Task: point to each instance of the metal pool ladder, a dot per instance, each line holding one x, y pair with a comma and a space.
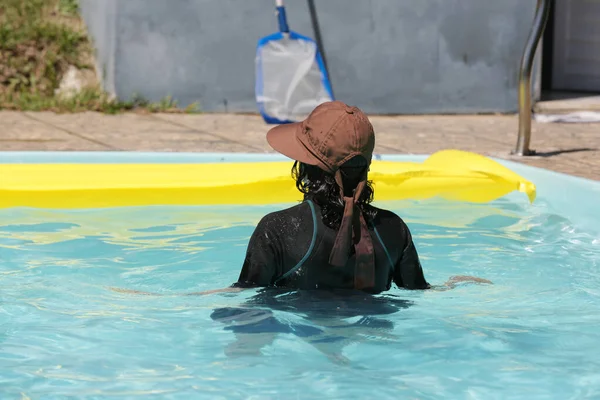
542, 12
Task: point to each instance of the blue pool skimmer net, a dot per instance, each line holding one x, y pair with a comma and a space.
291, 78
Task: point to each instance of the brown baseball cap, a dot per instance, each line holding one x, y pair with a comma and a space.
332, 134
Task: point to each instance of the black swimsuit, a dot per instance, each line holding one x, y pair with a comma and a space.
290, 248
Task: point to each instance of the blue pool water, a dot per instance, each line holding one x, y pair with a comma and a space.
533, 334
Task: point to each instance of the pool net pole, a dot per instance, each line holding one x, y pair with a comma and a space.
314, 19
539, 24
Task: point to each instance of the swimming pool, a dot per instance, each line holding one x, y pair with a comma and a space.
533, 334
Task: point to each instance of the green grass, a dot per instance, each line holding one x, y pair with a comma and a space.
39, 40
89, 99
34, 50
69, 7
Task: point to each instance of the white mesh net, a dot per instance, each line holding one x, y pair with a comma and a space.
292, 84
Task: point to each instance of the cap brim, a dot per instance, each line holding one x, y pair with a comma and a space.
283, 139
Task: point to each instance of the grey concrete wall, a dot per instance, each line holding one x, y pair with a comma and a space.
101, 18
385, 56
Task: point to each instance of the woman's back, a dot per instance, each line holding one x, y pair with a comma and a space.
291, 248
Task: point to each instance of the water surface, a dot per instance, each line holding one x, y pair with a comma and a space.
533, 334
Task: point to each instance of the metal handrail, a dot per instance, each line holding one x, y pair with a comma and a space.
542, 12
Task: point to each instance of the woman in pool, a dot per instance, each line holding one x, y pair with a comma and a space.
334, 239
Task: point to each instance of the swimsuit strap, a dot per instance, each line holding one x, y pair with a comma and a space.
310, 248
387, 253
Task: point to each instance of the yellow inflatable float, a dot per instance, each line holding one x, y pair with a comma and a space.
449, 174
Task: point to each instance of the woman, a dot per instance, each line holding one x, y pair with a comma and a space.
334, 239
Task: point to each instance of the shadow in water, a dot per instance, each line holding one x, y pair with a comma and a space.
324, 320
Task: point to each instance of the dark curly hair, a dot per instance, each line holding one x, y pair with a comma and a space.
321, 187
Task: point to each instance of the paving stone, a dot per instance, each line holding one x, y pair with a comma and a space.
567, 148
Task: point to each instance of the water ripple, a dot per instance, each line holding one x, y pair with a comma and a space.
64, 333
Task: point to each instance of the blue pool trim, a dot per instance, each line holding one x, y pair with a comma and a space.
387, 253
130, 157
310, 248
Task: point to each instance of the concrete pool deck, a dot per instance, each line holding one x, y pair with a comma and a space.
568, 148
